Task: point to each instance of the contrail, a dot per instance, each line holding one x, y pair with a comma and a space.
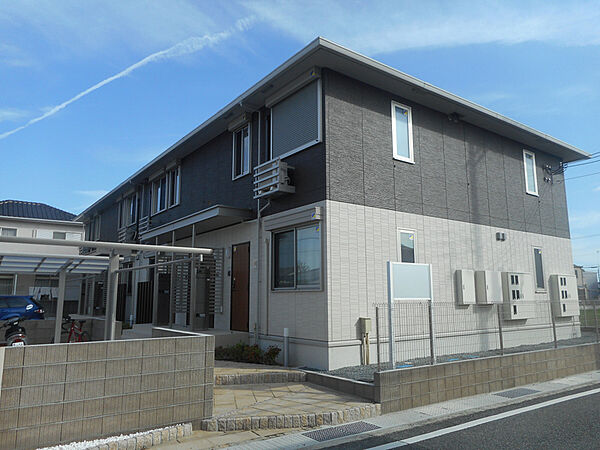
190, 45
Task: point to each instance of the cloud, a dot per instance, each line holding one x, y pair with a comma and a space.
8, 114
186, 47
11, 55
384, 26
95, 25
585, 220
93, 193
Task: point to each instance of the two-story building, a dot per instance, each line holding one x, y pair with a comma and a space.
38, 220
321, 172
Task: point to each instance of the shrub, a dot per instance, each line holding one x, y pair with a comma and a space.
248, 353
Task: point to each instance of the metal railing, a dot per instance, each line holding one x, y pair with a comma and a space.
426, 333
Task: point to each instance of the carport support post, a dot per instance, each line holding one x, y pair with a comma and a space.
62, 282
112, 287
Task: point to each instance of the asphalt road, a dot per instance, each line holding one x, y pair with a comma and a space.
572, 424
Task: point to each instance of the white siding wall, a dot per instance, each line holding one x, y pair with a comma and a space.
361, 239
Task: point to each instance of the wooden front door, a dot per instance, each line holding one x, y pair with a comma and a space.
240, 286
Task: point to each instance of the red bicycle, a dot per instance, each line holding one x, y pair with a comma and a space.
74, 329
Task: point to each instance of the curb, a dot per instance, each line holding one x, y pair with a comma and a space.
260, 378
291, 420
144, 439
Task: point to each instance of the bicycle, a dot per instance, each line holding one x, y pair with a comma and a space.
75, 330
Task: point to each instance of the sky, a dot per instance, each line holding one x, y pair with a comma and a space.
92, 90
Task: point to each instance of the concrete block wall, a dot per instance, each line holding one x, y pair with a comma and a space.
408, 388
59, 393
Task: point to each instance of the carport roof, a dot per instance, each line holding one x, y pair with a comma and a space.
47, 264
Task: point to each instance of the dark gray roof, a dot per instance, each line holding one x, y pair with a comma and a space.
33, 210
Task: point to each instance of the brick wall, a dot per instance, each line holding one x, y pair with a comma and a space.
66, 392
408, 388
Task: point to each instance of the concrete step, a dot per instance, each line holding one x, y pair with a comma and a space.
281, 421
274, 376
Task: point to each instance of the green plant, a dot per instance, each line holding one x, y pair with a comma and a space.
241, 352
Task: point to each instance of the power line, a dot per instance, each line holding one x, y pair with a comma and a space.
586, 236
594, 160
580, 176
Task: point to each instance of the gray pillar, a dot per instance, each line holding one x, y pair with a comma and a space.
193, 276
60, 303
112, 287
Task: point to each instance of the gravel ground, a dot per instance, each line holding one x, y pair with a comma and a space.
365, 373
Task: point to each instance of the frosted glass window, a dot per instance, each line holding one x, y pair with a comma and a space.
402, 132
9, 231
539, 268
406, 243
530, 179
241, 152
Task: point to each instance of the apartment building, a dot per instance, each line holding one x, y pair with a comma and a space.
310, 181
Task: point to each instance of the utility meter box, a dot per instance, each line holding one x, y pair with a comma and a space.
564, 296
364, 325
488, 287
517, 290
465, 286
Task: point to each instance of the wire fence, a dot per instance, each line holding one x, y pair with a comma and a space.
426, 333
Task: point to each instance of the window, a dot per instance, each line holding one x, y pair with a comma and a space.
166, 191
406, 246
59, 235
531, 186
296, 121
9, 231
6, 284
402, 132
539, 269
128, 211
241, 152
297, 258
159, 194
174, 187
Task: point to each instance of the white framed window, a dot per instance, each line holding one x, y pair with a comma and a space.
531, 186
241, 152
8, 231
128, 211
59, 235
538, 263
159, 194
297, 258
406, 246
174, 186
402, 134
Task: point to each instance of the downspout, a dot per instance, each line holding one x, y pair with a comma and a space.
258, 264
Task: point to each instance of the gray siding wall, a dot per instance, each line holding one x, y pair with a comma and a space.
461, 172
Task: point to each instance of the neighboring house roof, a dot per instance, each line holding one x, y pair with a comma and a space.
33, 210
327, 54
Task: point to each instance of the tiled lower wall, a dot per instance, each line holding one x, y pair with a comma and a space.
66, 392
408, 388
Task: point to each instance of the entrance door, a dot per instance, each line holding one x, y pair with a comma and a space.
240, 284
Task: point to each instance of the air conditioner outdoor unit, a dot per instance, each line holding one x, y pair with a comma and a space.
273, 178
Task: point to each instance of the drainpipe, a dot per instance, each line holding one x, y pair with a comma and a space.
258, 264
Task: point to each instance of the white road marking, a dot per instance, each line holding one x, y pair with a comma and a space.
474, 423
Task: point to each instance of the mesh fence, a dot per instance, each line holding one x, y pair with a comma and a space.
425, 333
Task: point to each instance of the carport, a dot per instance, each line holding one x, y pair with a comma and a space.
62, 265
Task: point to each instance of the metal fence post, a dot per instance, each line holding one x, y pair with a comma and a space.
377, 337
596, 322
500, 335
553, 326
431, 333
390, 313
